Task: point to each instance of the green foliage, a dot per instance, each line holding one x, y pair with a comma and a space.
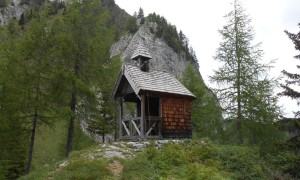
206, 113
284, 159
175, 40
140, 16
140, 13
13, 149
244, 161
83, 41
57, 6
22, 2
196, 160
102, 121
13, 130
49, 144
22, 20
292, 78
3, 3
183, 160
244, 89
37, 65
131, 26
81, 141
77, 168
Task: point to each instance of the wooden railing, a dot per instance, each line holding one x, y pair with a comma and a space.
132, 128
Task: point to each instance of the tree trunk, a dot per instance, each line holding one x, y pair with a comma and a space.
71, 124
73, 102
30, 152
33, 131
239, 113
2, 95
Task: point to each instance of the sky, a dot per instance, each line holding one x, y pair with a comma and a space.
200, 21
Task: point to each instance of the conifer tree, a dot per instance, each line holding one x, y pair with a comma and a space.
13, 135
84, 39
102, 120
242, 80
141, 16
36, 49
27, 81
206, 113
140, 13
292, 81
292, 78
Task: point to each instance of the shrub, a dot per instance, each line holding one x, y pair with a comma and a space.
286, 161
244, 162
196, 160
3, 3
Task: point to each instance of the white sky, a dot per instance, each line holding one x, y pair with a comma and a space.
200, 20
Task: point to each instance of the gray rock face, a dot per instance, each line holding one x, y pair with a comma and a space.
164, 58
13, 10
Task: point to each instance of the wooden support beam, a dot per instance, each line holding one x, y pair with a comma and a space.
126, 129
142, 135
136, 128
120, 117
161, 117
151, 128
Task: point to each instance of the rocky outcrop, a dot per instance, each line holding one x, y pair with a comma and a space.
164, 58
13, 10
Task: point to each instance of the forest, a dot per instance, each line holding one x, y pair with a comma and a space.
56, 70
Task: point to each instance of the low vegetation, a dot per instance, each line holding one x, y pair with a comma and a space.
189, 159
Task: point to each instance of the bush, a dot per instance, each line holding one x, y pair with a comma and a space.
244, 162
195, 160
131, 25
286, 161
3, 3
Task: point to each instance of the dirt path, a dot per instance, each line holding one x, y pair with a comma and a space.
116, 168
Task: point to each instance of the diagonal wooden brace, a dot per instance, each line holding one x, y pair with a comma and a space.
136, 127
126, 129
151, 128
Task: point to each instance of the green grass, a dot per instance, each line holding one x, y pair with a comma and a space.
188, 160
193, 160
78, 167
50, 144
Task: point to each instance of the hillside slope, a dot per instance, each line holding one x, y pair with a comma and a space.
160, 160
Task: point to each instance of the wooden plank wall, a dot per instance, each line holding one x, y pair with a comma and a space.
176, 113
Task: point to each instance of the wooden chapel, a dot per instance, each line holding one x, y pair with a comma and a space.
163, 104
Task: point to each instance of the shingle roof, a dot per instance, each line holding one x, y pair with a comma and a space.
156, 81
141, 51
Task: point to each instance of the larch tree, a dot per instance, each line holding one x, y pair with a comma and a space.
83, 40
27, 81
13, 136
36, 50
242, 78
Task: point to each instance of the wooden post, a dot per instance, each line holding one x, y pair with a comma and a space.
161, 117
121, 117
142, 116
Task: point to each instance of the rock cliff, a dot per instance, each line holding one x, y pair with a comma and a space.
13, 10
163, 56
